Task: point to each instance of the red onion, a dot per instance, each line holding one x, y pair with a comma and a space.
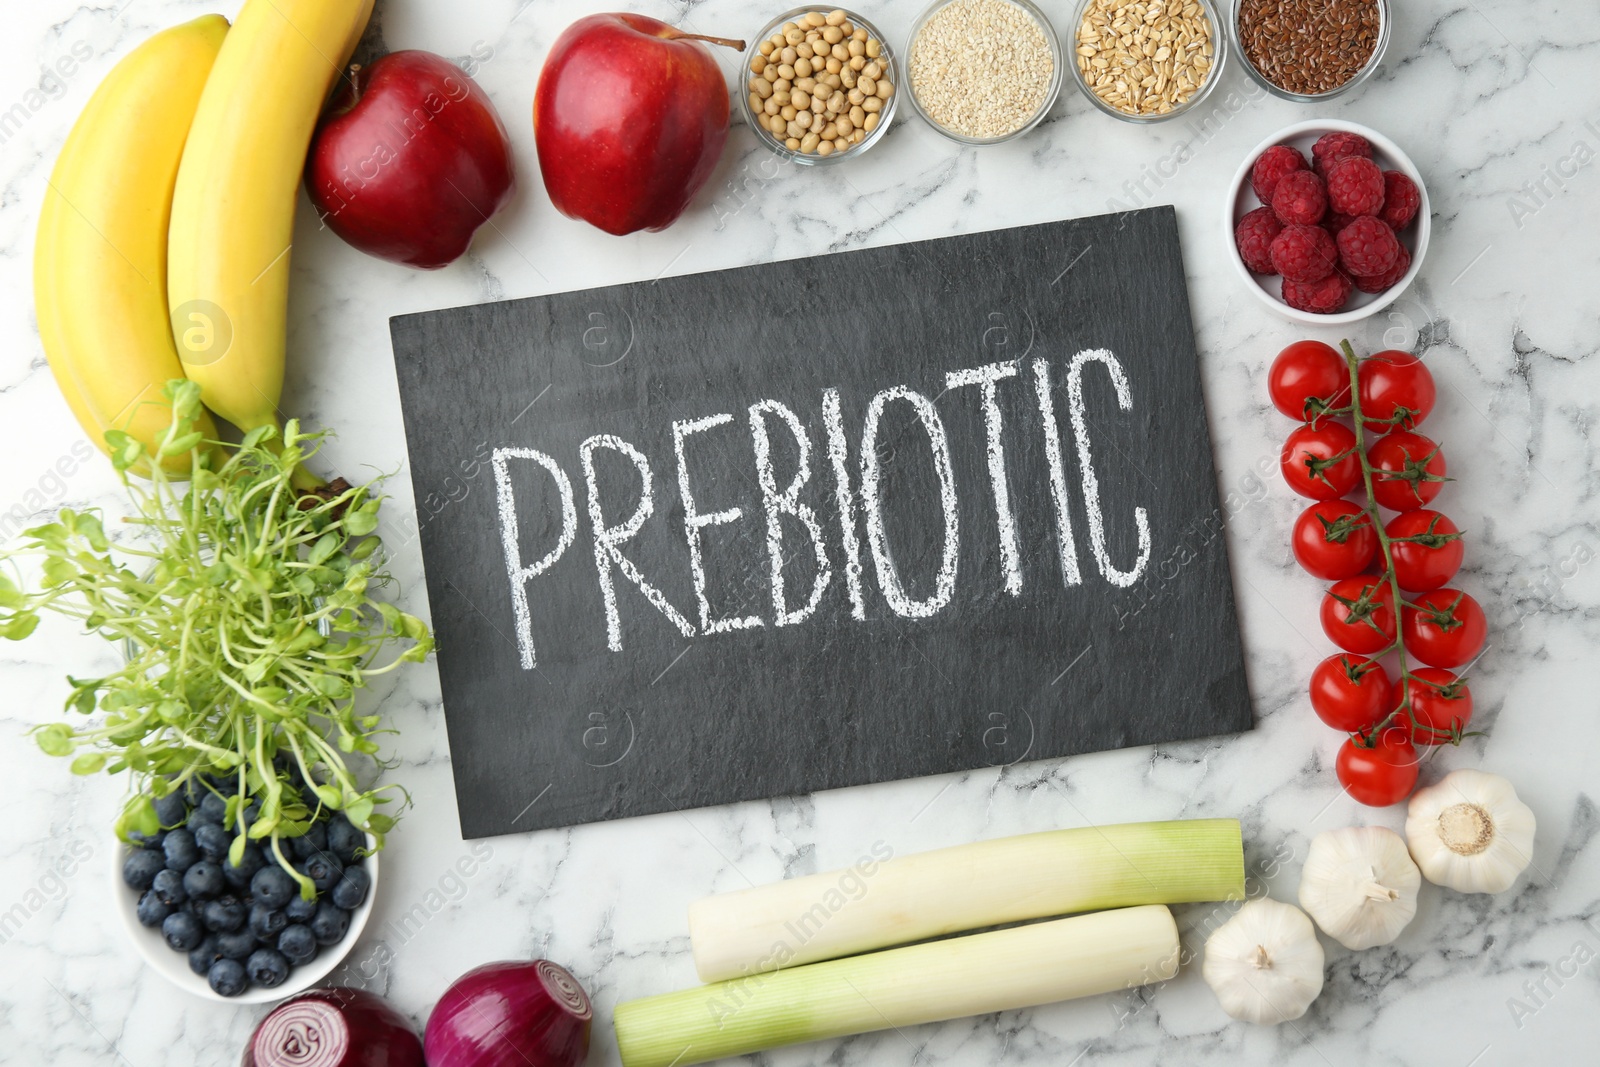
516, 1013
334, 1028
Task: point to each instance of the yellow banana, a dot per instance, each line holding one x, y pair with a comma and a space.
233, 211
100, 256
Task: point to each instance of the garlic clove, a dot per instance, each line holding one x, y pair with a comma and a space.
1265, 964
1360, 885
1470, 832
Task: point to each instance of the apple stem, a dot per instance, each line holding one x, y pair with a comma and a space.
355, 83
725, 42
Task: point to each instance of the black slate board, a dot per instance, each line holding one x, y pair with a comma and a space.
671, 721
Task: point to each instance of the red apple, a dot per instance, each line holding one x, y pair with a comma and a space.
629, 119
409, 160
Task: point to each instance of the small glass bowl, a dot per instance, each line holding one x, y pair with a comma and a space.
771, 140
1219, 63
1360, 76
1051, 92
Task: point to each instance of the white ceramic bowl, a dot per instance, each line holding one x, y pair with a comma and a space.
1241, 198
174, 966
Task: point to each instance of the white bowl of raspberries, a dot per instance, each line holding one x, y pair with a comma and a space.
1328, 221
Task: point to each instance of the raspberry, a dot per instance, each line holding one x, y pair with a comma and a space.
1401, 199
1254, 236
1299, 198
1367, 247
1304, 253
1336, 222
1335, 146
1273, 164
1377, 283
1355, 186
1323, 298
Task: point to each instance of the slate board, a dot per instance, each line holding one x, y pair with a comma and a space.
670, 721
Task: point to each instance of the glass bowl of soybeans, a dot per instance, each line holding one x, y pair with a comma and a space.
820, 86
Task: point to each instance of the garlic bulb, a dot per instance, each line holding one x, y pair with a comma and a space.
1470, 832
1360, 885
1265, 963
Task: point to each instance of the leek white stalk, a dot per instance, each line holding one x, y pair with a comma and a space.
1004, 969
895, 901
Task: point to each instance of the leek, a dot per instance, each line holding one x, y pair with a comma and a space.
1000, 970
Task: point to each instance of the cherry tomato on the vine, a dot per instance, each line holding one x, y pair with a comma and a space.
1408, 470
1440, 703
1308, 378
1426, 549
1334, 539
1320, 461
1351, 693
1358, 615
1447, 628
1396, 391
1381, 775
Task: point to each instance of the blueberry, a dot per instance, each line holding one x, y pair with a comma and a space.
213, 807
182, 931
236, 945
252, 813
212, 840
203, 955
152, 910
300, 910
272, 886
223, 915
330, 922
168, 885
200, 815
351, 889
267, 923
315, 839
180, 850
267, 968
172, 809
344, 839
324, 869
155, 840
227, 978
203, 881
141, 867
298, 944
250, 861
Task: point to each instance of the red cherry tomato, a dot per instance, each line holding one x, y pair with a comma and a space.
1447, 628
1351, 693
1440, 703
1381, 775
1307, 379
1396, 391
1334, 539
1409, 470
1432, 556
1358, 615
1320, 461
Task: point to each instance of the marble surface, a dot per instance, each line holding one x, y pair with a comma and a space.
1496, 102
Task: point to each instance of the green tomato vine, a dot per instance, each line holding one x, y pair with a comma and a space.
248, 613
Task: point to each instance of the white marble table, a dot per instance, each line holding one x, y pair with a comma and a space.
1498, 104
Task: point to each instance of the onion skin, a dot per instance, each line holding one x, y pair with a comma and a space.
515, 1013
334, 1028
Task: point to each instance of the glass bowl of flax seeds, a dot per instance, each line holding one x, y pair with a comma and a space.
1310, 50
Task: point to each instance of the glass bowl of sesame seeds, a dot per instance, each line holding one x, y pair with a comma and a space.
821, 85
983, 71
1147, 60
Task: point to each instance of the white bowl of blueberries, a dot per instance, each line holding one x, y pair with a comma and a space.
242, 933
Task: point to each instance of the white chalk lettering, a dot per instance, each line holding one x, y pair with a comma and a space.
510, 541
1005, 521
778, 504
839, 453
888, 577
694, 522
1091, 484
608, 540
1065, 545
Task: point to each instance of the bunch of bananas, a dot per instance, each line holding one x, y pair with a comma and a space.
163, 243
